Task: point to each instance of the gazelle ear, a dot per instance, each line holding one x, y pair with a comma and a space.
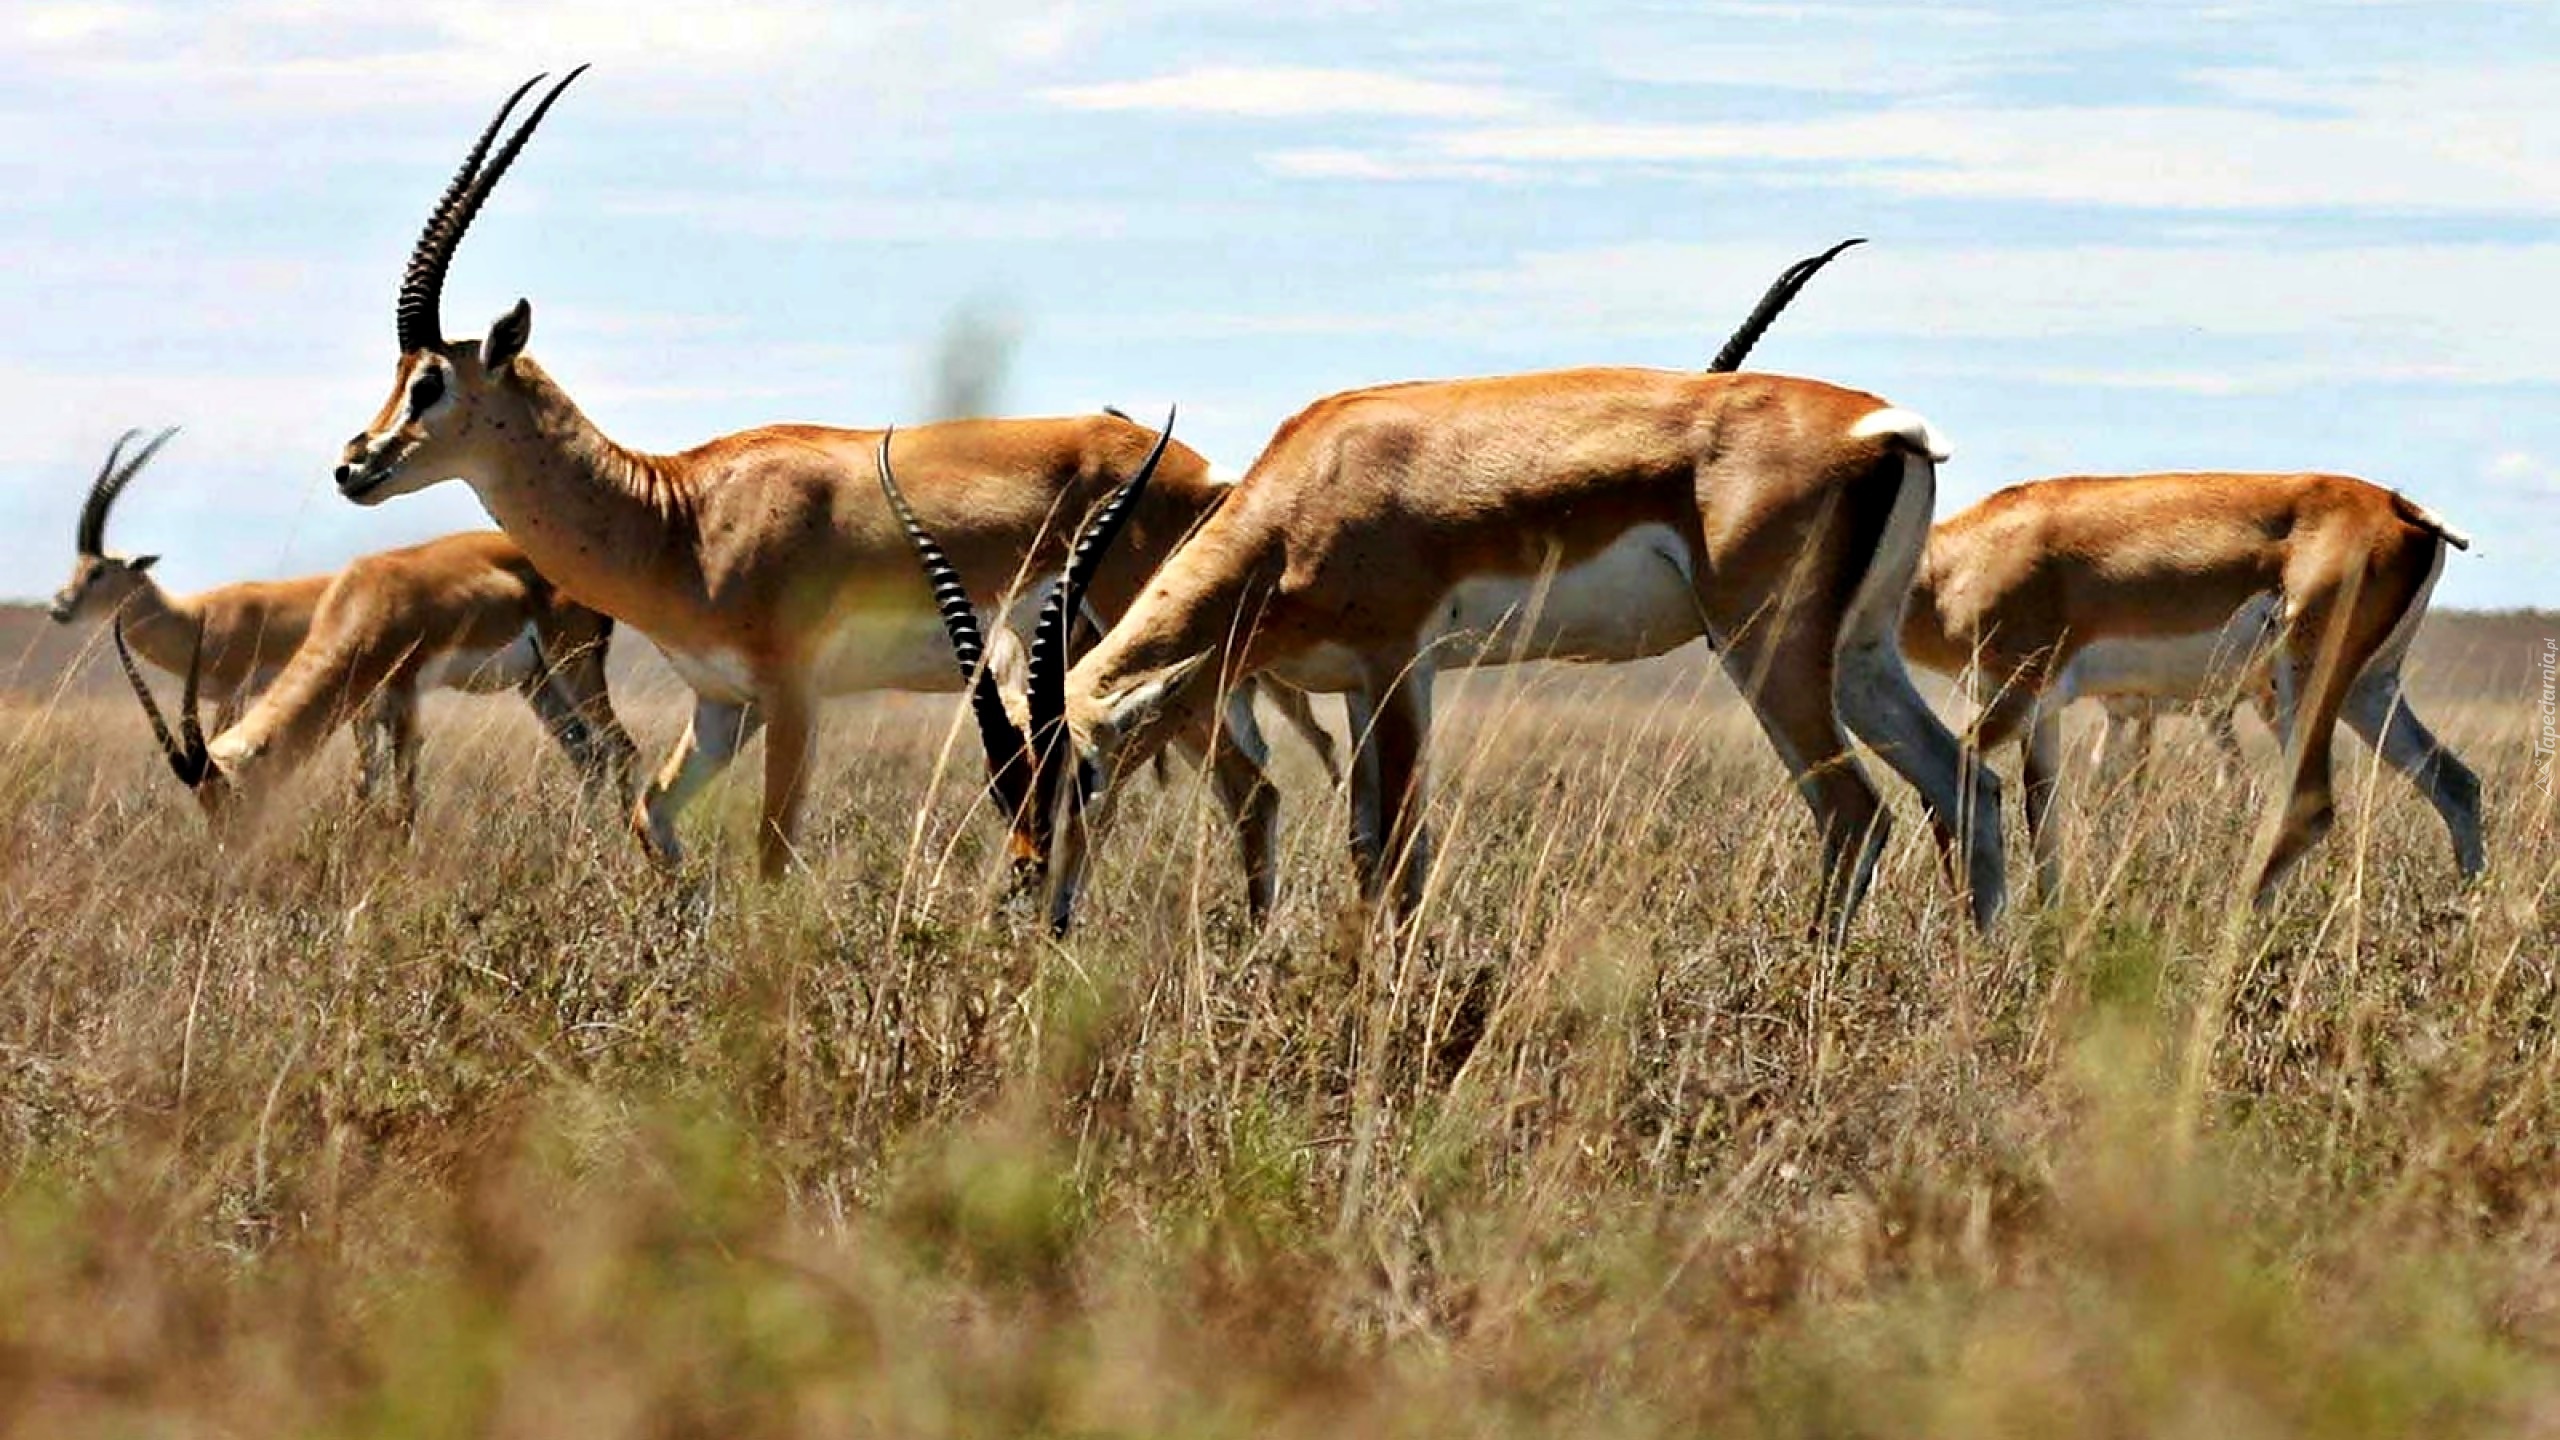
140, 563
508, 336
1133, 708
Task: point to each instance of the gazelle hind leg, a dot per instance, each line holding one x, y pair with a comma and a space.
2335, 629
1873, 693
1785, 672
2377, 709
718, 731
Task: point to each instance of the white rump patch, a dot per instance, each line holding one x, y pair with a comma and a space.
1907, 427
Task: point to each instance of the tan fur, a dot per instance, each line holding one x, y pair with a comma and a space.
377, 633
2014, 587
745, 557
1369, 509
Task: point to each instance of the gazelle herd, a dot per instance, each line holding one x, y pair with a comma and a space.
1384, 534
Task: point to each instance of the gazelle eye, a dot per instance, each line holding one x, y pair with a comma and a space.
425, 390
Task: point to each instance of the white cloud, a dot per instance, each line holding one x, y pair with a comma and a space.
1271, 92
2521, 472
2396, 138
77, 24
1338, 164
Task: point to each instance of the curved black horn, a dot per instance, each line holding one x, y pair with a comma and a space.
422, 288
1008, 754
1781, 293
92, 538
102, 495
189, 762
1047, 681
422, 284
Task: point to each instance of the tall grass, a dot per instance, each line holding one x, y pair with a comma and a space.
500, 1133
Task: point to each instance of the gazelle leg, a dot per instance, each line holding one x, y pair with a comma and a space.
2377, 710
1795, 710
1298, 708
2041, 749
373, 750
401, 706
719, 729
2334, 630
1235, 757
1876, 698
788, 730
2226, 740
1368, 837
1397, 741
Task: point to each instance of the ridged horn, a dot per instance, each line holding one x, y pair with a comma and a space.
1008, 754
422, 285
110, 484
1781, 293
92, 537
1047, 681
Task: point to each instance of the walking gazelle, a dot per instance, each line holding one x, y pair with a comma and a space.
2014, 590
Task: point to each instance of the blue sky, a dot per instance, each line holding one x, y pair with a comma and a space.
2317, 234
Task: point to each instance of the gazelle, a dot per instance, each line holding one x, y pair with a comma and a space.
465, 612
763, 563
246, 631
1592, 515
2016, 589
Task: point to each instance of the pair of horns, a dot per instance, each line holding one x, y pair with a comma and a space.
113, 476
1782, 292
422, 286
187, 755
1020, 767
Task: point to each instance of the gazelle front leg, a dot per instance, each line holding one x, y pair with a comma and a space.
788, 728
719, 729
1390, 757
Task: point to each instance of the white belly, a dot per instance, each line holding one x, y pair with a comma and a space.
1635, 598
2174, 667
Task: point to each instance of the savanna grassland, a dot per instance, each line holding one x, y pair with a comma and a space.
499, 1133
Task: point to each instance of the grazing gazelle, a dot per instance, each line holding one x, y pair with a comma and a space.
763, 563
1593, 515
466, 612
2014, 590
246, 630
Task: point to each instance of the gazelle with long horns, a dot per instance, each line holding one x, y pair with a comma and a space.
466, 612
245, 631
1480, 625
763, 563
2014, 590
1594, 515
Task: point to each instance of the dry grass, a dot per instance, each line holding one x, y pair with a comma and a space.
499, 1134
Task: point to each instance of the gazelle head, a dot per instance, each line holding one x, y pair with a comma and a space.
1051, 782
101, 583
189, 758
441, 389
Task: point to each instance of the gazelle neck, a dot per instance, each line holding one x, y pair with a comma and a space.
599, 520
